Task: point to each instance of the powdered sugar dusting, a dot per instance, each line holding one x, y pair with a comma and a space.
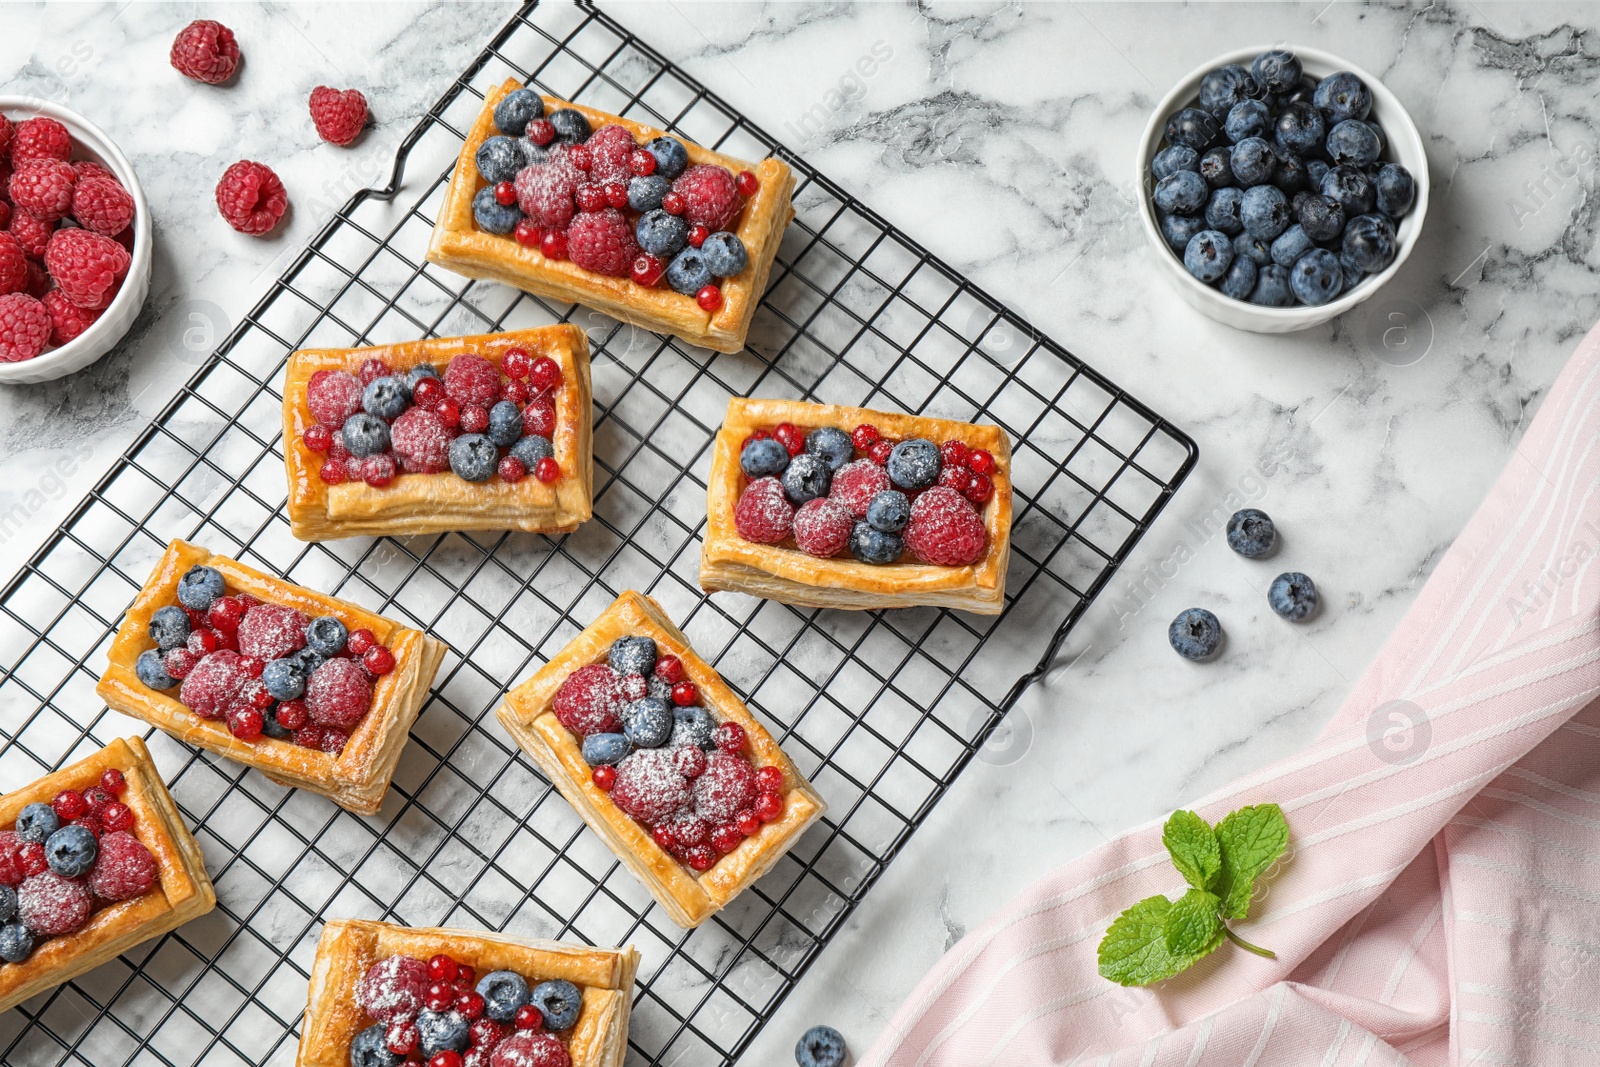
588, 701
945, 529
214, 684
727, 787
49, 904
763, 513
544, 192
856, 483
392, 988
269, 631
124, 868
421, 441
649, 787
338, 694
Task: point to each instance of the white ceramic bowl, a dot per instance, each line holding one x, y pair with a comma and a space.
88, 142
1403, 146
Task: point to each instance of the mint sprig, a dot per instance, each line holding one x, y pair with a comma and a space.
1158, 938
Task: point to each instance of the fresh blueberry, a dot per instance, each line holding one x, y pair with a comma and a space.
647, 722
1173, 158
370, 1048
1222, 211
1177, 229
531, 449
889, 511
36, 822
491, 215
503, 992
169, 627
1265, 212
671, 156
327, 635
1215, 167
8, 904
71, 850
693, 726
365, 435
1397, 191
914, 463
645, 192
660, 234
1195, 634
1352, 273
1290, 173
609, 749
1342, 96
1272, 287
725, 254
443, 1030
1377, 131
533, 153
1299, 128
309, 659
831, 445
152, 671
1301, 93
419, 372
1369, 243
1315, 277
1291, 245
284, 679
1353, 143
1222, 89
1277, 71
1208, 256
662, 691
1253, 248
499, 159
1252, 161
1192, 127
806, 478
385, 397
1292, 595
762, 458
1351, 188
1299, 201
16, 942
872, 545
632, 655
821, 1046
516, 109
1315, 170
505, 424
271, 728
558, 1001
1181, 193
1248, 118
1251, 533
199, 586
571, 127
1240, 281
688, 272
1322, 217
473, 457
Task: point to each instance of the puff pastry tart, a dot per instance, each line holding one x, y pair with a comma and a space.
313, 692
95, 859
841, 507
488, 432
384, 994
662, 760
578, 205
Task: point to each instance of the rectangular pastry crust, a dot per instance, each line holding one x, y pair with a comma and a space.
782, 572
358, 777
184, 891
349, 946
434, 503
688, 898
459, 245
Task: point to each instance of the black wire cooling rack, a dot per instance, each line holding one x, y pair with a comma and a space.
881, 710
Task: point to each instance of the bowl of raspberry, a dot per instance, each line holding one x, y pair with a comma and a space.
74, 242
1280, 187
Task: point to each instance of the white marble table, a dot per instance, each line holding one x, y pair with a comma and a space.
1001, 137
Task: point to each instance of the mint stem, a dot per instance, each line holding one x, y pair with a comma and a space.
1247, 946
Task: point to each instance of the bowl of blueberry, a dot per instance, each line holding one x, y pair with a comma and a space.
1281, 187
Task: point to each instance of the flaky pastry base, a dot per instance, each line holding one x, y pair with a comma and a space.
688, 898
349, 946
358, 777
183, 893
782, 572
459, 245
434, 503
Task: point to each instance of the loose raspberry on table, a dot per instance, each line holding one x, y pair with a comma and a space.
545, 193
588, 701
24, 327
392, 988
87, 266
338, 694
725, 788
602, 241
13, 266
945, 529
822, 527
610, 155
67, 320
251, 197
40, 138
215, 684
333, 397
338, 116
49, 904
649, 787
472, 380
31, 232
44, 187
710, 196
271, 631
421, 441
124, 869
102, 205
856, 483
206, 51
763, 513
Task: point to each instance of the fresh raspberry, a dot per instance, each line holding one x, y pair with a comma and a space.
31, 232
602, 241
421, 441
545, 193
710, 197
822, 527
88, 168
5, 212
333, 397
251, 197
610, 155
730, 737
49, 904
270, 631
957, 478
44, 187
39, 282
338, 116
338, 694
945, 529
472, 380
40, 138
206, 51
856, 483
374, 368
690, 760
13, 266
67, 320
727, 787
214, 685
539, 417
10, 859
124, 868
763, 513
102, 206
87, 266
649, 787
7, 132
24, 327
588, 700
392, 988
531, 1049
590, 197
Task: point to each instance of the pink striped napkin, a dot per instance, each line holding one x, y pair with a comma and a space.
1441, 900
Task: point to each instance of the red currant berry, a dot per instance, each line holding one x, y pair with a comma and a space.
98, 798
179, 662
541, 132
378, 471
726, 838
730, 737
467, 975
642, 163
197, 619
89, 823
246, 723
528, 233
378, 660
590, 197
427, 392
647, 270
617, 195
879, 452
709, 298
669, 669
227, 643
69, 804
702, 857
470, 1005
116, 816
954, 453
539, 417
663, 836
402, 1037
359, 642
690, 761
548, 470
698, 235
980, 487
317, 438
749, 822
516, 392
439, 996
484, 1031
258, 695
790, 437
31, 857
673, 204
203, 642
864, 436
684, 694
747, 183
511, 469
293, 714
529, 1018
605, 776
505, 194
474, 418
769, 806
554, 245
545, 374
225, 614
373, 369
447, 1058
442, 968
981, 461
516, 364
956, 478
769, 779
449, 412
578, 156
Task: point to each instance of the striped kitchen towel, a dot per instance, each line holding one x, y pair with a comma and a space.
1440, 903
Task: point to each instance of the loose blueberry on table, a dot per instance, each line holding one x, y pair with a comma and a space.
1251, 533
820, 1046
262, 668
64, 860
1293, 596
477, 420
439, 1012
897, 497
1290, 165
1195, 634
608, 204
664, 758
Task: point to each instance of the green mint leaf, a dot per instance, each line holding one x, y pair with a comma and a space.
1134, 950
1192, 927
1194, 848
1252, 839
